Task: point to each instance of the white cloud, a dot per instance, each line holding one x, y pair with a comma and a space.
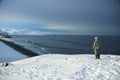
10, 31
58, 27
13, 31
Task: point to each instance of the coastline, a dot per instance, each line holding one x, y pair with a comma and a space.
60, 66
18, 48
8, 54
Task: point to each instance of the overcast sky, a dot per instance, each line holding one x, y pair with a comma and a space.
85, 17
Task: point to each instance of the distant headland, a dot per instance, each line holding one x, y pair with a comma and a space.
4, 34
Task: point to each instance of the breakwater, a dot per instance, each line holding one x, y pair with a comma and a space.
19, 48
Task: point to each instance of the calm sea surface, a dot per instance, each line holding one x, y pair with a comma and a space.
68, 44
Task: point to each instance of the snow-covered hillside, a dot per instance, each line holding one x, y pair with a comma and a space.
4, 34
63, 67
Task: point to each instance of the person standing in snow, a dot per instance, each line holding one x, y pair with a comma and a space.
96, 48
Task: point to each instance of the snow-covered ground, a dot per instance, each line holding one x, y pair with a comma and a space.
63, 67
8, 54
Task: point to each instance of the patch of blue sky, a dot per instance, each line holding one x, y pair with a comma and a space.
35, 27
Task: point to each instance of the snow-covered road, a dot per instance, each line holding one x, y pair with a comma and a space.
63, 67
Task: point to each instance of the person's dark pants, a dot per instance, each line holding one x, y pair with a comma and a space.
97, 55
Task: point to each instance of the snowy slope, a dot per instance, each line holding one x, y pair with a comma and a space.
63, 67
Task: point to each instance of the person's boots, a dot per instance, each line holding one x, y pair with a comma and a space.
98, 56
95, 56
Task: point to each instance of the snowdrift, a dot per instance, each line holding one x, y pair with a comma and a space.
63, 67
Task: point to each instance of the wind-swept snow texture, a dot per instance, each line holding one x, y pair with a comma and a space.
63, 67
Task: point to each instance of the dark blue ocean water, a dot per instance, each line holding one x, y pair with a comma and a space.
68, 44
59, 44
